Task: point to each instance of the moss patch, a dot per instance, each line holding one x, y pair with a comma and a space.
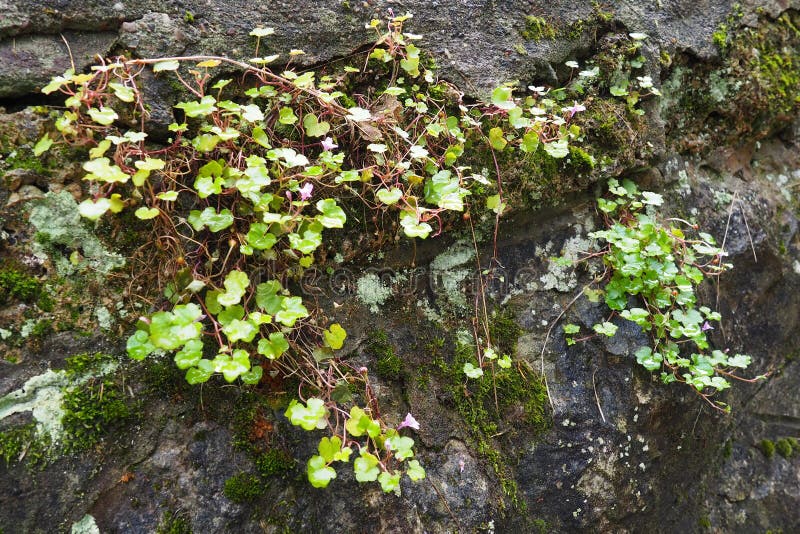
388, 365
243, 488
503, 402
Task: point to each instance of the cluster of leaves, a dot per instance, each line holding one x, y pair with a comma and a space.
621, 73
265, 172
378, 447
661, 265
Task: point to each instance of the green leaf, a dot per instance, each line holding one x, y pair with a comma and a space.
571, 328
201, 108
494, 203
105, 116
292, 309
201, 373
190, 355
273, 347
238, 330
309, 417
43, 145
162, 66
206, 142
647, 358
502, 97
389, 482
496, 139
146, 213
739, 360
93, 210
389, 196
360, 423
307, 243
401, 445
504, 362
415, 471
413, 228
122, 92
319, 474
253, 376
313, 127
286, 116
259, 237
471, 371
139, 346
102, 170
557, 149
332, 215
530, 142
261, 32
366, 467
267, 297
210, 218
335, 336
329, 448
606, 328
236, 282
357, 114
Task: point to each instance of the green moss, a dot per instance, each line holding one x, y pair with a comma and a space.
81, 364
767, 447
537, 29
251, 429
540, 526
274, 462
704, 522
90, 409
172, 523
787, 447
580, 160
23, 439
16, 284
24, 159
498, 403
720, 36
388, 364
243, 488
727, 449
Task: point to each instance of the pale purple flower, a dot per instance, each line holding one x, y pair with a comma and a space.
328, 144
305, 191
461, 465
573, 109
409, 422
706, 327
362, 370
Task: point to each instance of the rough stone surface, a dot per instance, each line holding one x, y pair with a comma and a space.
624, 454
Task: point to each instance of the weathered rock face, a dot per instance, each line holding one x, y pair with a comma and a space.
612, 450
476, 42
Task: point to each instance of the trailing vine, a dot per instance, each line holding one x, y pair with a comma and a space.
266, 166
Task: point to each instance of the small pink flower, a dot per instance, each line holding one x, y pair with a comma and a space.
706, 327
328, 144
362, 370
409, 422
573, 109
461, 465
289, 195
305, 191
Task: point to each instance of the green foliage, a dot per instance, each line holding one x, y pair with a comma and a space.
660, 265
243, 488
270, 175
